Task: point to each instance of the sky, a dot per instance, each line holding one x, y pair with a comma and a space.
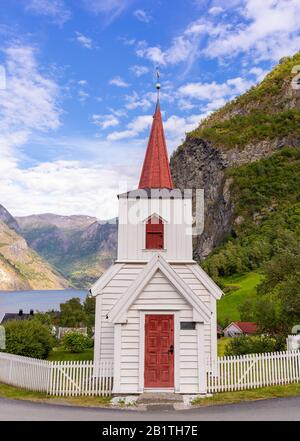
77, 87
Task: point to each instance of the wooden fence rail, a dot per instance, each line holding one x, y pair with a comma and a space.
86, 378
61, 378
253, 371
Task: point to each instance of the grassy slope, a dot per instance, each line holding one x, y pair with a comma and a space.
243, 287
21, 394
262, 113
221, 398
264, 393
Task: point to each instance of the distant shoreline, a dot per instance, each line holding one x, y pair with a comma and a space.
38, 300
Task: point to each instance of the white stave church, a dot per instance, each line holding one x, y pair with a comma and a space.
155, 307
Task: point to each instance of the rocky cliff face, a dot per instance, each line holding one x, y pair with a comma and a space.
248, 129
199, 165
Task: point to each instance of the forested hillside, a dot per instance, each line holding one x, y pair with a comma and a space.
246, 156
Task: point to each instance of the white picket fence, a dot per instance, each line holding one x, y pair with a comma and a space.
75, 378
85, 378
24, 372
61, 378
253, 371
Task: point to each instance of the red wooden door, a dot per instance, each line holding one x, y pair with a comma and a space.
159, 351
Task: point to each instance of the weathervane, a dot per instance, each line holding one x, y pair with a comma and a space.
158, 83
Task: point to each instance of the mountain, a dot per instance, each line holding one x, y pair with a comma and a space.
20, 267
8, 219
248, 129
246, 156
81, 247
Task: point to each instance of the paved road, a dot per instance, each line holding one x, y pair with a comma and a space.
287, 409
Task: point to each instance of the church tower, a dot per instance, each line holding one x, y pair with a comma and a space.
155, 307
155, 217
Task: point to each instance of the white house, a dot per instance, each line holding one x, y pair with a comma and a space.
155, 307
237, 329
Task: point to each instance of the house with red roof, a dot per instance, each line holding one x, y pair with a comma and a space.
236, 329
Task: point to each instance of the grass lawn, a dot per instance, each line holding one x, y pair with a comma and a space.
264, 393
289, 390
22, 394
59, 354
228, 306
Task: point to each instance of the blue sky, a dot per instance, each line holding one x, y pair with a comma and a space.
77, 87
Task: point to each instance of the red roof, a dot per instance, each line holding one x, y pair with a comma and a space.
247, 327
156, 170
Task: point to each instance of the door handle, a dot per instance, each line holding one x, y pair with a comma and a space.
171, 350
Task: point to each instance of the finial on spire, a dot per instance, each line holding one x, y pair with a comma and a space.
158, 83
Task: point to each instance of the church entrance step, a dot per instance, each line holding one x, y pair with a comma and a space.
159, 398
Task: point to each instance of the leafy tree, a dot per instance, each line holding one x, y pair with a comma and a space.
72, 313
89, 307
252, 345
44, 317
276, 307
29, 338
76, 342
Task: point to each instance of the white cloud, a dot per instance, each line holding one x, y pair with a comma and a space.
268, 30
65, 187
83, 96
105, 121
119, 82
85, 41
216, 10
55, 9
183, 48
175, 128
82, 83
142, 16
258, 72
111, 9
262, 30
73, 186
215, 91
30, 100
137, 126
139, 70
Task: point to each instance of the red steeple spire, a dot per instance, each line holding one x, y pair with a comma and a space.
156, 171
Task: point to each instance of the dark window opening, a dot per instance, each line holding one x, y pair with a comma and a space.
154, 234
185, 326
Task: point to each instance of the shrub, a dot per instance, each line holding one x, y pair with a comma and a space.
252, 345
29, 338
76, 342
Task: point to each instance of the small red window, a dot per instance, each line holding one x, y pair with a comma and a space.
154, 234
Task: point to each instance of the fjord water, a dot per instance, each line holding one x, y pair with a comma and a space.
13, 301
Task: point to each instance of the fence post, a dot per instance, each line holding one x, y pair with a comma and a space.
50, 379
10, 370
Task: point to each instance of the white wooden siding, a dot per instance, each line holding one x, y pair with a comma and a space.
131, 237
210, 330
110, 295
159, 294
